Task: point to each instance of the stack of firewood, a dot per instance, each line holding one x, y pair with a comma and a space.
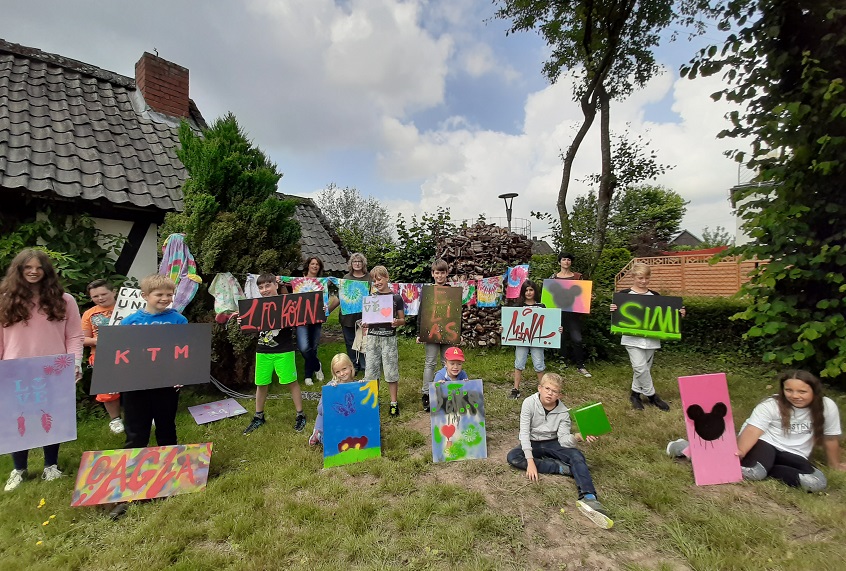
476, 252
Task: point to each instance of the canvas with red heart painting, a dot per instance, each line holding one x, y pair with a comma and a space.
458, 421
377, 309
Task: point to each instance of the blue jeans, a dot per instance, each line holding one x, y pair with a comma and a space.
521, 354
357, 357
544, 451
308, 339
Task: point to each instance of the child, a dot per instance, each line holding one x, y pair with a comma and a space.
382, 341
37, 318
145, 407
642, 349
570, 321
343, 371
548, 447
275, 352
454, 368
777, 439
434, 351
102, 294
528, 298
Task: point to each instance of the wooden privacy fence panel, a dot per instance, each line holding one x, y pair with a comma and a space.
691, 275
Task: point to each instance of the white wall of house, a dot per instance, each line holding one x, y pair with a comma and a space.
146, 262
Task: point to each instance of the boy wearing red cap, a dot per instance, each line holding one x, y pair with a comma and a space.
454, 369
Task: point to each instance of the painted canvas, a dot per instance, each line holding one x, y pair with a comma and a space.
108, 476
531, 327
351, 294
468, 291
458, 421
410, 294
305, 285
37, 402
516, 276
217, 410
440, 315
489, 291
591, 419
351, 431
567, 295
128, 301
656, 316
377, 309
710, 429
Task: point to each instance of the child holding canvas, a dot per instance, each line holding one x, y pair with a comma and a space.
571, 322
454, 368
102, 293
434, 351
343, 371
382, 353
547, 446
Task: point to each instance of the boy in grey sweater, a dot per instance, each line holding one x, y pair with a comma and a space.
548, 447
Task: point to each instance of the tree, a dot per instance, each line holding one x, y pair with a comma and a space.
607, 46
362, 223
785, 62
412, 258
719, 236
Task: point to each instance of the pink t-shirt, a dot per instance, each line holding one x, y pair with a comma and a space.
38, 336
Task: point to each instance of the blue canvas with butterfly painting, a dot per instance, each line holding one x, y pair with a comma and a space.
351, 431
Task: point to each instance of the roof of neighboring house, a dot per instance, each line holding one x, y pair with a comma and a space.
541, 247
684, 238
318, 237
74, 130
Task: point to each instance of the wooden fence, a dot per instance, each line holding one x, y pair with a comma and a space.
692, 275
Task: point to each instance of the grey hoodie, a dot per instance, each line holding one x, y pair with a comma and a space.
538, 424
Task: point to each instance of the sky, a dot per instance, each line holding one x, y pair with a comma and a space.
419, 103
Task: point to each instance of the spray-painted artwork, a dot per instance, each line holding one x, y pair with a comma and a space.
567, 295
217, 410
489, 291
656, 316
306, 285
516, 276
351, 431
440, 315
710, 429
468, 291
37, 402
410, 294
128, 301
531, 327
458, 421
377, 309
351, 294
108, 476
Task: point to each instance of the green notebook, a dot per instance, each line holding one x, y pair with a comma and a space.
591, 419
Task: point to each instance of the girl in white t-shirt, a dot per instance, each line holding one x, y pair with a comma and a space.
778, 437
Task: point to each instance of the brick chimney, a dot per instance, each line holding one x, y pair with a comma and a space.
163, 84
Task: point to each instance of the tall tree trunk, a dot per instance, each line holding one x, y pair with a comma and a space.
588, 104
607, 180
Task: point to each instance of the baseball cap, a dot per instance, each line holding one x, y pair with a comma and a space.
454, 354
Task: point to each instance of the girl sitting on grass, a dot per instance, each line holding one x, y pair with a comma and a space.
343, 371
777, 439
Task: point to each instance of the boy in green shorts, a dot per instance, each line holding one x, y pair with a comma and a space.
275, 352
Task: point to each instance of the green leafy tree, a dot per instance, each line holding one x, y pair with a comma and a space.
412, 258
785, 62
607, 45
719, 236
363, 224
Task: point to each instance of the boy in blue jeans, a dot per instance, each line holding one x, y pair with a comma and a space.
275, 352
548, 447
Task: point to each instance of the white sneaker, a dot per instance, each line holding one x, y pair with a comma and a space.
15, 480
675, 449
116, 425
51, 473
309, 382
319, 375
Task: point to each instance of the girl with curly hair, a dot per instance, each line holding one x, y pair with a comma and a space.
37, 318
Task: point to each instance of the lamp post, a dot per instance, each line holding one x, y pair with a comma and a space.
508, 197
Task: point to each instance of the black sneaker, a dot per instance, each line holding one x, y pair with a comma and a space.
637, 404
655, 400
563, 468
118, 511
515, 394
300, 422
254, 424
394, 410
425, 400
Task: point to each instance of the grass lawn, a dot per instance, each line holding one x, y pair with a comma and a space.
270, 505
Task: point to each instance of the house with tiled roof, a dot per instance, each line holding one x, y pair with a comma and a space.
319, 238
77, 138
